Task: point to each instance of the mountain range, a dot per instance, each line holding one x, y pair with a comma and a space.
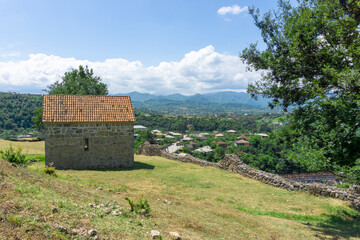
215, 97
200, 104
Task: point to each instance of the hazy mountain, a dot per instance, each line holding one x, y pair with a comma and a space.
136, 96
216, 97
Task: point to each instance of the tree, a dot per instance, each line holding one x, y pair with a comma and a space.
76, 82
312, 62
37, 119
79, 82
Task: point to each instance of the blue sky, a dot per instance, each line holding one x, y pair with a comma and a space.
162, 47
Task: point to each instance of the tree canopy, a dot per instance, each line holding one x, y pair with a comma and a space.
312, 61
80, 81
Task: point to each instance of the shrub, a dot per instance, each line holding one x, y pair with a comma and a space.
50, 171
14, 156
343, 185
137, 207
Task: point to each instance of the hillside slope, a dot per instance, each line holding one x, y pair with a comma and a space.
197, 202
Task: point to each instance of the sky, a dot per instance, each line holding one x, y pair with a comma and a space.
159, 46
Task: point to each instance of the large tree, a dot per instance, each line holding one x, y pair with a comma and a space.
80, 81
312, 62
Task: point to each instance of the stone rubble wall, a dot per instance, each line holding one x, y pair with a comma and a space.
234, 164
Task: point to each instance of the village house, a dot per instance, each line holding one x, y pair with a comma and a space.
88, 132
241, 143
191, 145
243, 137
262, 135
231, 131
140, 127
204, 149
219, 135
222, 144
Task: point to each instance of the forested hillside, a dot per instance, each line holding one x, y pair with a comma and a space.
198, 108
247, 123
16, 111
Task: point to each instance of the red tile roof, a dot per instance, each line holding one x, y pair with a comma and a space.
87, 108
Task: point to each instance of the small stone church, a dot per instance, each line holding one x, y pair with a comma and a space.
88, 132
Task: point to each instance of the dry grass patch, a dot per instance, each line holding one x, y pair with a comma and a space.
28, 147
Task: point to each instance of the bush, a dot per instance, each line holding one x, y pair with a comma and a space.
50, 171
14, 156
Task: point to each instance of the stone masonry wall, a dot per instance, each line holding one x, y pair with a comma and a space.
234, 164
110, 145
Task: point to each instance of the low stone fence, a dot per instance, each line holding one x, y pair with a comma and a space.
234, 164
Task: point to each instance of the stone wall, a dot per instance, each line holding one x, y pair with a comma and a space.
234, 164
110, 145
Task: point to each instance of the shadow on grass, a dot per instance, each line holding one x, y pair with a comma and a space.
339, 227
137, 166
338, 223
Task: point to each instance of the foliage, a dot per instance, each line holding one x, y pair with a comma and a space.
143, 137
222, 122
194, 108
37, 118
141, 204
219, 153
50, 171
79, 82
312, 60
16, 112
14, 156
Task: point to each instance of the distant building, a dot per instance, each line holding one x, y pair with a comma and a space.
242, 136
191, 145
262, 135
231, 131
140, 127
222, 144
175, 134
219, 135
202, 139
187, 139
169, 136
241, 143
204, 149
88, 132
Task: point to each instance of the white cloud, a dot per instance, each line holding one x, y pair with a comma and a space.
199, 71
234, 9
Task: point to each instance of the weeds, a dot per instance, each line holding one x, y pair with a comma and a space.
14, 156
50, 171
138, 207
15, 221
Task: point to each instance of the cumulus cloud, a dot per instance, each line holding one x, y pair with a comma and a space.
199, 71
234, 9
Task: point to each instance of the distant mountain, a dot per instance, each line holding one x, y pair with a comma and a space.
174, 97
216, 97
136, 96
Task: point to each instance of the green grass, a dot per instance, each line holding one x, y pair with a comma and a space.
205, 203
28, 147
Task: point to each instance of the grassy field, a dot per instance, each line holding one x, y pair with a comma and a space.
28, 147
205, 203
